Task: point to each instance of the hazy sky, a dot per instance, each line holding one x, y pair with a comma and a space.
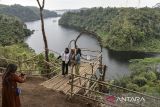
74, 4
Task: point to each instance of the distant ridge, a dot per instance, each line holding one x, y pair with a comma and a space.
62, 11
25, 13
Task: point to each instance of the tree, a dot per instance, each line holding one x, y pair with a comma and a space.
41, 7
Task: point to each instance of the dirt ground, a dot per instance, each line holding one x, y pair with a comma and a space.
34, 95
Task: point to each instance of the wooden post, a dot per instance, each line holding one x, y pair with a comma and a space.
100, 86
104, 72
72, 76
102, 78
92, 65
101, 60
72, 70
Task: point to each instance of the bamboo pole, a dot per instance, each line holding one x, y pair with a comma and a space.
104, 72
72, 81
101, 93
90, 89
104, 83
95, 100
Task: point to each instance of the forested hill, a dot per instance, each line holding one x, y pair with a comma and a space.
28, 13
121, 29
12, 30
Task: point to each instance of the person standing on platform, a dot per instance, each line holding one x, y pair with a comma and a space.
72, 58
77, 61
65, 61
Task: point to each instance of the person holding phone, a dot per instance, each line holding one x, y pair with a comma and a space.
10, 91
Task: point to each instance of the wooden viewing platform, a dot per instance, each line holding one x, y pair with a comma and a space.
60, 83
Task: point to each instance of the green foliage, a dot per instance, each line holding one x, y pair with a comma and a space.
122, 81
150, 76
120, 28
133, 86
28, 13
21, 52
140, 81
14, 52
144, 77
12, 30
144, 88
41, 64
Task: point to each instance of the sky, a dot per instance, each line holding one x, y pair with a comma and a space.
76, 4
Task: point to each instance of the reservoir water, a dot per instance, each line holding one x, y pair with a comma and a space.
58, 38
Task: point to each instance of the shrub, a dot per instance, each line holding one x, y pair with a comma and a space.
140, 81
144, 88
151, 76
132, 86
122, 82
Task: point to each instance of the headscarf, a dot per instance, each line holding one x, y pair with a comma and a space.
11, 68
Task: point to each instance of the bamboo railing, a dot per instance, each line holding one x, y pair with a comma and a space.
149, 100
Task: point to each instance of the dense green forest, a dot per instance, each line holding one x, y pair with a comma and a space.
12, 34
144, 77
122, 29
12, 30
28, 13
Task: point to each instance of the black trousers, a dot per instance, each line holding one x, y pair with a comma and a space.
64, 68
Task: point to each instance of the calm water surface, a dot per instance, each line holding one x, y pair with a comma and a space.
59, 37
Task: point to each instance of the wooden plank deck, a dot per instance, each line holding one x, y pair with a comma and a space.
60, 83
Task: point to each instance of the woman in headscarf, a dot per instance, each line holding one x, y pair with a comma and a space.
10, 92
72, 59
78, 61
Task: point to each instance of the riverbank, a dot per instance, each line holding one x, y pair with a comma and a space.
143, 49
